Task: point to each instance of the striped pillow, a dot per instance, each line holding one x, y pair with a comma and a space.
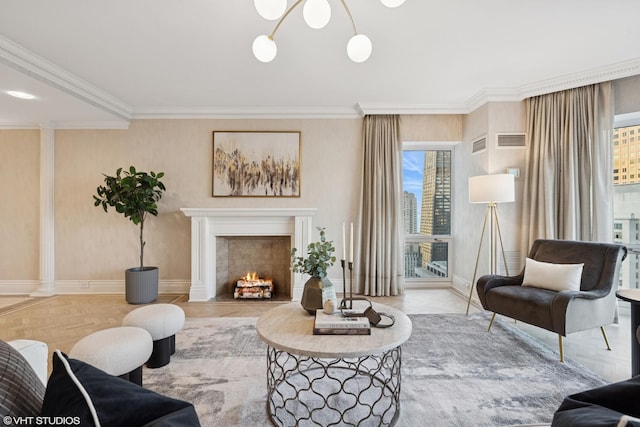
21, 391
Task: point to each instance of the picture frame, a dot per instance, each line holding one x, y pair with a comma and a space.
256, 164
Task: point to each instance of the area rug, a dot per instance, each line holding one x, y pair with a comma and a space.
454, 373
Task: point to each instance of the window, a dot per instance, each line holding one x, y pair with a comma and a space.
626, 200
426, 175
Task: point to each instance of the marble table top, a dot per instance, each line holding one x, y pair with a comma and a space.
630, 295
290, 328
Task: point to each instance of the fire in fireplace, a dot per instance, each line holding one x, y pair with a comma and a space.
251, 286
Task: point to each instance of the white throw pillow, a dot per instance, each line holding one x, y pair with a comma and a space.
555, 277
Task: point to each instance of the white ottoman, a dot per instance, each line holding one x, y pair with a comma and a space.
118, 351
36, 353
162, 321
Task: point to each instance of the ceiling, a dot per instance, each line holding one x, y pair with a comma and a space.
100, 64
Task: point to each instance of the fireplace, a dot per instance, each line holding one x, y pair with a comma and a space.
266, 257
213, 228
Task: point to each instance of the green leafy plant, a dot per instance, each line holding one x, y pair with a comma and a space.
133, 194
319, 257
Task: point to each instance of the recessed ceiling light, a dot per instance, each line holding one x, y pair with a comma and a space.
21, 95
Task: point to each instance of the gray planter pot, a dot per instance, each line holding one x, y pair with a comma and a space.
141, 285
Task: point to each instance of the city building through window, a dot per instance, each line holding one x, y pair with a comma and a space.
427, 214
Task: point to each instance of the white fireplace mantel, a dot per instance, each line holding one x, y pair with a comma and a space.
209, 223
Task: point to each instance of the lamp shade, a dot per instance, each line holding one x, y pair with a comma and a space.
359, 48
316, 13
270, 9
264, 48
496, 188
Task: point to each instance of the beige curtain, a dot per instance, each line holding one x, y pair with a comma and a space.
379, 264
569, 177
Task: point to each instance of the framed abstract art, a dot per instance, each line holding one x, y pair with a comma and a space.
256, 164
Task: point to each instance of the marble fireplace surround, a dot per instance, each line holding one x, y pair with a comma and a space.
209, 223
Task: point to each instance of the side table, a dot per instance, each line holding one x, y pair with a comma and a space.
633, 297
347, 380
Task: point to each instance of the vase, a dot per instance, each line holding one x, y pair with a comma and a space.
316, 291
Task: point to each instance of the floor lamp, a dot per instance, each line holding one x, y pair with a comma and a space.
490, 189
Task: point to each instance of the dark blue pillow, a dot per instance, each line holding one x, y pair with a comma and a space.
94, 398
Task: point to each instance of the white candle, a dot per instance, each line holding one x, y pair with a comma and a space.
344, 242
351, 245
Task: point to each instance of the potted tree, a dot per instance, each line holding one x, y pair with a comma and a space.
134, 194
319, 258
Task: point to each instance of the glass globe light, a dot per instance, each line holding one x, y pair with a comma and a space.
359, 48
392, 3
316, 13
270, 9
264, 48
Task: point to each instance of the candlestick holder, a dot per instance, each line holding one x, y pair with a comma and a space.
343, 303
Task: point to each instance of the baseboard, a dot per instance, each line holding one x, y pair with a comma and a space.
462, 287
18, 287
78, 287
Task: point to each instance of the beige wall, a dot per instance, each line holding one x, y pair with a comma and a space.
489, 120
91, 246
19, 205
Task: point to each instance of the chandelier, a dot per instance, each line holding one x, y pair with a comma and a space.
317, 14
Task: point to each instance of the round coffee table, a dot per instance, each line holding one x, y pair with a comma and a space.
331, 379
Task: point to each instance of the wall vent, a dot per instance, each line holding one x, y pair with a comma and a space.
512, 140
479, 145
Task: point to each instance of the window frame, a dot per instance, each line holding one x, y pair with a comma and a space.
432, 282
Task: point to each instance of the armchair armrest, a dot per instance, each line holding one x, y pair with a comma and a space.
490, 281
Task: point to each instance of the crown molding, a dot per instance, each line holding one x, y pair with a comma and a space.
605, 73
365, 108
244, 113
66, 125
39, 68
615, 71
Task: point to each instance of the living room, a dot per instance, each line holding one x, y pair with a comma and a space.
56, 242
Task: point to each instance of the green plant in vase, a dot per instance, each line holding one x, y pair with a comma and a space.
318, 260
134, 194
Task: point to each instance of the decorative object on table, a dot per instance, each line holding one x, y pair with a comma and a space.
319, 258
316, 14
347, 302
490, 189
336, 324
330, 306
256, 164
134, 194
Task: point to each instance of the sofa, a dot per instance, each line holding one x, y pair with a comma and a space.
79, 394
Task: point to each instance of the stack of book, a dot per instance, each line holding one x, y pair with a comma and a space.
337, 324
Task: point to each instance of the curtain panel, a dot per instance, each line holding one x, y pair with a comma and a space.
379, 267
569, 176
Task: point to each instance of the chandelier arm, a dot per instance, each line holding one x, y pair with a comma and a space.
293, 6
353, 24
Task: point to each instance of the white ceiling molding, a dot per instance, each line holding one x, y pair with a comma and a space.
570, 81
244, 113
601, 74
67, 125
364, 109
39, 68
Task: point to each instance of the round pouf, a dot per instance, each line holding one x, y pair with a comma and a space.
162, 321
118, 351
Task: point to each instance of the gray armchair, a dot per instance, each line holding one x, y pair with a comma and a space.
562, 312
